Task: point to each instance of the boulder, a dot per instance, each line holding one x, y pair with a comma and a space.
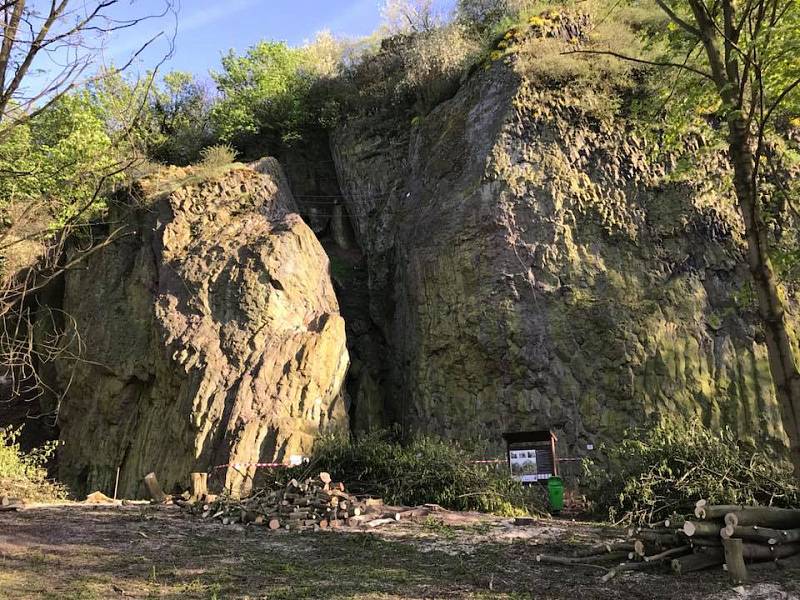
207, 337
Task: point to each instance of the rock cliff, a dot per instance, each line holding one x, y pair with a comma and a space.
532, 266
209, 334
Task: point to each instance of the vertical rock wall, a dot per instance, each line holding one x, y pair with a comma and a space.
532, 267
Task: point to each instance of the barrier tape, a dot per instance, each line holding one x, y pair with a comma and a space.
280, 465
256, 465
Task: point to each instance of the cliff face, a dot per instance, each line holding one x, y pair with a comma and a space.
210, 334
514, 260
531, 266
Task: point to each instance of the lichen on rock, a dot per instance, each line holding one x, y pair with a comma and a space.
536, 267
221, 340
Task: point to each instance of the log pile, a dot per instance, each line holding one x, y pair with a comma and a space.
725, 536
309, 505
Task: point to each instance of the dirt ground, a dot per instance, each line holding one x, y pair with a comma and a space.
91, 552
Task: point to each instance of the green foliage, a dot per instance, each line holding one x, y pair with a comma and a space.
654, 473
24, 475
421, 470
59, 159
263, 90
181, 109
219, 155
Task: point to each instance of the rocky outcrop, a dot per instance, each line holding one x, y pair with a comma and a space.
532, 266
221, 340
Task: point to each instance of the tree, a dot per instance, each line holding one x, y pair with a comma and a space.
746, 53
54, 44
58, 156
181, 108
260, 91
414, 16
483, 13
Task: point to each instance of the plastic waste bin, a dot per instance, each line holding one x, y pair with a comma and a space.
555, 489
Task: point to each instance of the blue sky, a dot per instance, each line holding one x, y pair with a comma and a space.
208, 28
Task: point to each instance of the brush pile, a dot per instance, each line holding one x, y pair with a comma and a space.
727, 536
309, 505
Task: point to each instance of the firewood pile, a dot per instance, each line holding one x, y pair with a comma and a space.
727, 536
310, 505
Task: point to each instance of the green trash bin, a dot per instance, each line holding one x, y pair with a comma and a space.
555, 489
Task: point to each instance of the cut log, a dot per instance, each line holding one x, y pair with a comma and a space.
761, 535
715, 511
582, 560
764, 516
697, 561
274, 524
734, 560
605, 548
649, 562
700, 528
199, 486
667, 538
154, 489
759, 553
785, 536
378, 522
325, 477
414, 513
661, 556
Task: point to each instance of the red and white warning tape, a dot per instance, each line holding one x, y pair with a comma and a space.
256, 465
282, 465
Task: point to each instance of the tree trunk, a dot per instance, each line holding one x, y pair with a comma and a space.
782, 361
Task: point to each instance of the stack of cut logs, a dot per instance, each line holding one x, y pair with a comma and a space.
313, 504
718, 535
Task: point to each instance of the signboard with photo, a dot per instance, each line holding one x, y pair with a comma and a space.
523, 465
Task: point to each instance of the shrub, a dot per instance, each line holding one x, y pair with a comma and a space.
24, 475
219, 155
421, 470
654, 473
435, 61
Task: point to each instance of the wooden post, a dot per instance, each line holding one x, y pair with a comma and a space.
734, 560
116, 484
199, 486
154, 489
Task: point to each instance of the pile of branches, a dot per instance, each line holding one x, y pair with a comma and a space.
309, 505
422, 469
728, 536
657, 472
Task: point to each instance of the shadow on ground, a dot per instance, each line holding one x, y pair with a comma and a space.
91, 553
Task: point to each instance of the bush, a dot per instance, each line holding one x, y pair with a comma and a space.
435, 61
219, 155
421, 470
654, 473
24, 475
